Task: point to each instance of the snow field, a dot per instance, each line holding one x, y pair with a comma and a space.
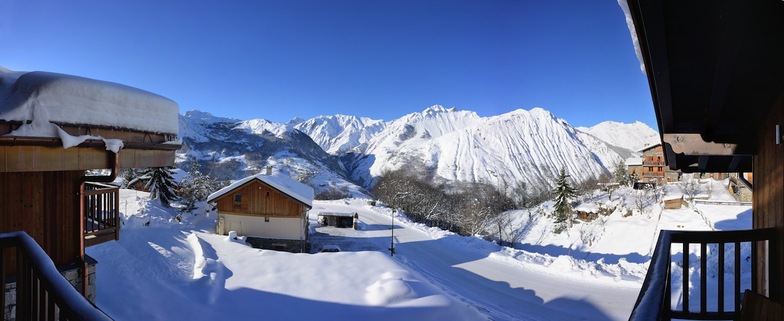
180, 270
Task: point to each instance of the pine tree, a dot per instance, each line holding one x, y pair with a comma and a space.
196, 188
563, 193
161, 184
620, 175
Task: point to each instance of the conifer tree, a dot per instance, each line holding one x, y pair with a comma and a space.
563, 193
196, 188
620, 175
161, 184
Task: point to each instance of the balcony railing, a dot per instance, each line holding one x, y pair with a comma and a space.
42, 293
102, 213
714, 300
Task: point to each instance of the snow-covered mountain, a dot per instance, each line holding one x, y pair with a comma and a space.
528, 146
230, 149
339, 133
634, 136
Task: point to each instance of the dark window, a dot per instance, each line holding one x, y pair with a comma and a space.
237, 200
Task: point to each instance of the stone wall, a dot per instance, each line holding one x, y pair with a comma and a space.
71, 272
293, 246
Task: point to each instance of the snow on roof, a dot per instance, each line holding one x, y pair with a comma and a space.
587, 207
282, 183
70, 99
672, 191
649, 147
632, 31
344, 214
634, 161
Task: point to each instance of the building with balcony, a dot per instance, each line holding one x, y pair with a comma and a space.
717, 82
654, 169
53, 129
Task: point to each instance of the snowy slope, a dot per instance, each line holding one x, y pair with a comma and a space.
524, 145
172, 270
529, 146
231, 149
340, 133
633, 136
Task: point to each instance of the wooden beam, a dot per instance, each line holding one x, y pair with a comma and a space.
693, 144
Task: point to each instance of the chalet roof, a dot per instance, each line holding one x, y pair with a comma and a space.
284, 184
587, 207
649, 147
66, 99
634, 161
714, 69
342, 214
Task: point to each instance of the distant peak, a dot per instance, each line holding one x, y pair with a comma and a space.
206, 117
296, 120
437, 109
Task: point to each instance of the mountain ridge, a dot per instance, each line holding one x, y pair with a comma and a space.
527, 146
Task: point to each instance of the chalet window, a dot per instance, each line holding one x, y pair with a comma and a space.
237, 200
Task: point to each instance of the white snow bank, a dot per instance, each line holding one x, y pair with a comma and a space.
76, 100
392, 287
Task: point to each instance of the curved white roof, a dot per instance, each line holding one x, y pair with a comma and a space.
76, 100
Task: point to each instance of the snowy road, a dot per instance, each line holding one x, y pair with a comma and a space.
501, 289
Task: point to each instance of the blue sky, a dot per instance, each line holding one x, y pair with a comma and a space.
381, 59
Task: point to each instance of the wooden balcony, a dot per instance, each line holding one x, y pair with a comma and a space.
715, 298
102, 213
42, 293
653, 163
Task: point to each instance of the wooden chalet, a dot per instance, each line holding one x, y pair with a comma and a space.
716, 75
272, 211
653, 169
53, 128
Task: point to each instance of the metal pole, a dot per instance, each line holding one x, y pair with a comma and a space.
392, 239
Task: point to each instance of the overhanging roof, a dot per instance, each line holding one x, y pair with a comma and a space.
715, 69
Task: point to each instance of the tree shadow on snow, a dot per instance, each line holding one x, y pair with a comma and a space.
377, 227
555, 250
451, 272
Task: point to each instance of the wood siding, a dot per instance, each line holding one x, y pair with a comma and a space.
46, 206
768, 196
43, 158
260, 199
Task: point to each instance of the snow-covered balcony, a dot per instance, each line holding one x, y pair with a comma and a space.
702, 275
41, 292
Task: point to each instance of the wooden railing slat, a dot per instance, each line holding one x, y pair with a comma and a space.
721, 277
737, 268
685, 269
703, 277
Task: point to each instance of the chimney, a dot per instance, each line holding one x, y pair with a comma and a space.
269, 170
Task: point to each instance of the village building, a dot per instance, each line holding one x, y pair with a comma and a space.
53, 128
654, 170
634, 168
272, 211
336, 219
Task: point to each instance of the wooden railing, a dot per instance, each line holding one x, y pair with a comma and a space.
655, 299
42, 293
102, 213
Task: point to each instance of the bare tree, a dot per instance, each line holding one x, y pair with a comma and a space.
690, 187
